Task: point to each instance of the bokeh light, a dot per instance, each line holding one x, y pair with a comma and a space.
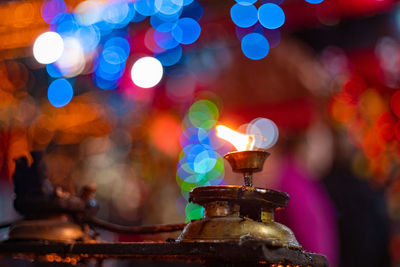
244, 15
48, 47
147, 72
193, 211
111, 63
165, 132
265, 132
193, 10
168, 7
88, 12
60, 93
72, 60
89, 37
200, 162
65, 24
119, 13
50, 8
255, 46
203, 114
246, 2
186, 31
150, 43
169, 57
161, 25
145, 7
314, 1
165, 39
271, 16
395, 103
53, 70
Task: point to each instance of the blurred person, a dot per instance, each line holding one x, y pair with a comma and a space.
361, 211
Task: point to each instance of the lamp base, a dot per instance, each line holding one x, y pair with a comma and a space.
234, 213
237, 229
58, 229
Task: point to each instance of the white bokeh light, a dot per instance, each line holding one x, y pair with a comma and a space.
89, 12
72, 61
146, 72
265, 132
48, 47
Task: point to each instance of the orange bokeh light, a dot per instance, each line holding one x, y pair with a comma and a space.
165, 132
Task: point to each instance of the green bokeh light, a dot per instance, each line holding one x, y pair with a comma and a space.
203, 114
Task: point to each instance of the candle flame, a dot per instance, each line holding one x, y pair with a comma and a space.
238, 140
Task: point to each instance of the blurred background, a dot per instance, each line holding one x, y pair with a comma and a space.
125, 94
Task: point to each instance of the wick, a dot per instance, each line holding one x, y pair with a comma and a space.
248, 179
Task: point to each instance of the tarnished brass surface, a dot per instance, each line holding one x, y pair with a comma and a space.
247, 161
242, 195
227, 217
235, 228
221, 209
51, 229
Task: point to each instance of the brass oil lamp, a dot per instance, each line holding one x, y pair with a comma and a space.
235, 213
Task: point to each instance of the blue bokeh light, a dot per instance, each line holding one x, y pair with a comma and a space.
64, 24
246, 2
165, 39
205, 161
194, 11
111, 63
189, 136
105, 84
161, 25
255, 46
54, 71
109, 71
170, 57
60, 93
89, 37
187, 2
169, 17
50, 8
105, 27
314, 1
119, 13
187, 31
244, 15
137, 17
114, 55
118, 43
145, 7
271, 16
168, 7
195, 162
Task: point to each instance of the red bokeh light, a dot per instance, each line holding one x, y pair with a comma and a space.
395, 103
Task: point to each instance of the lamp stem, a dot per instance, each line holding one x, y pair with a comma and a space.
248, 179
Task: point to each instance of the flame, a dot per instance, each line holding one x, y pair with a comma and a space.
238, 140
